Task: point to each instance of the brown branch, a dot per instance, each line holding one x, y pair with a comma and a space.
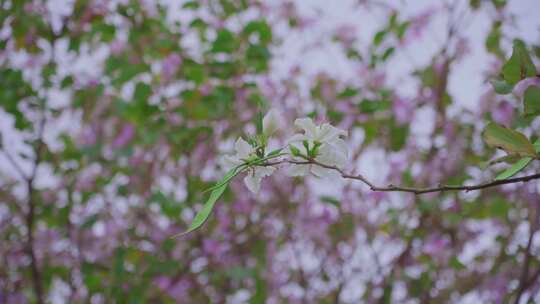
525, 270
524, 280
417, 191
30, 219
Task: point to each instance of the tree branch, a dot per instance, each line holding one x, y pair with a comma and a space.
525, 270
30, 219
417, 191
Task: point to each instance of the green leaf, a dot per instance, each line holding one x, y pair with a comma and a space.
499, 208
513, 142
531, 100
329, 200
274, 152
261, 28
501, 87
499, 3
191, 5
536, 145
372, 106
142, 92
514, 169
493, 40
379, 36
456, 264
389, 51
503, 159
348, 92
519, 66
294, 151
225, 42
203, 214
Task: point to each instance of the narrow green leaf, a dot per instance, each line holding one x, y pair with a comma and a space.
259, 122
274, 152
389, 51
536, 145
294, 150
520, 65
503, 159
513, 142
329, 200
232, 173
379, 36
514, 169
456, 264
531, 100
203, 214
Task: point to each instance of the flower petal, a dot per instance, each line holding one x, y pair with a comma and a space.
329, 133
271, 122
228, 162
329, 155
340, 146
243, 149
252, 182
310, 129
254, 177
264, 171
297, 138
298, 170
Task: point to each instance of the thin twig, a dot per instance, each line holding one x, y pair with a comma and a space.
525, 270
30, 218
524, 281
417, 191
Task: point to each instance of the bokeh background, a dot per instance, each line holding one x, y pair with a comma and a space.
114, 115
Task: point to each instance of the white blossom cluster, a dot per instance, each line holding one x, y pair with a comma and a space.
316, 144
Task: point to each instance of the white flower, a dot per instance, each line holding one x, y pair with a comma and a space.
271, 122
332, 150
245, 152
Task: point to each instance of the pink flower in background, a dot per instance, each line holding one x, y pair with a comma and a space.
213, 247
180, 290
162, 282
170, 66
403, 110
419, 24
205, 89
125, 136
435, 245
503, 113
117, 47
463, 47
88, 136
346, 34
101, 217
498, 288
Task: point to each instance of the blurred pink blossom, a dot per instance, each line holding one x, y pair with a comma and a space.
403, 110
117, 47
503, 113
170, 66
346, 34
125, 136
435, 245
